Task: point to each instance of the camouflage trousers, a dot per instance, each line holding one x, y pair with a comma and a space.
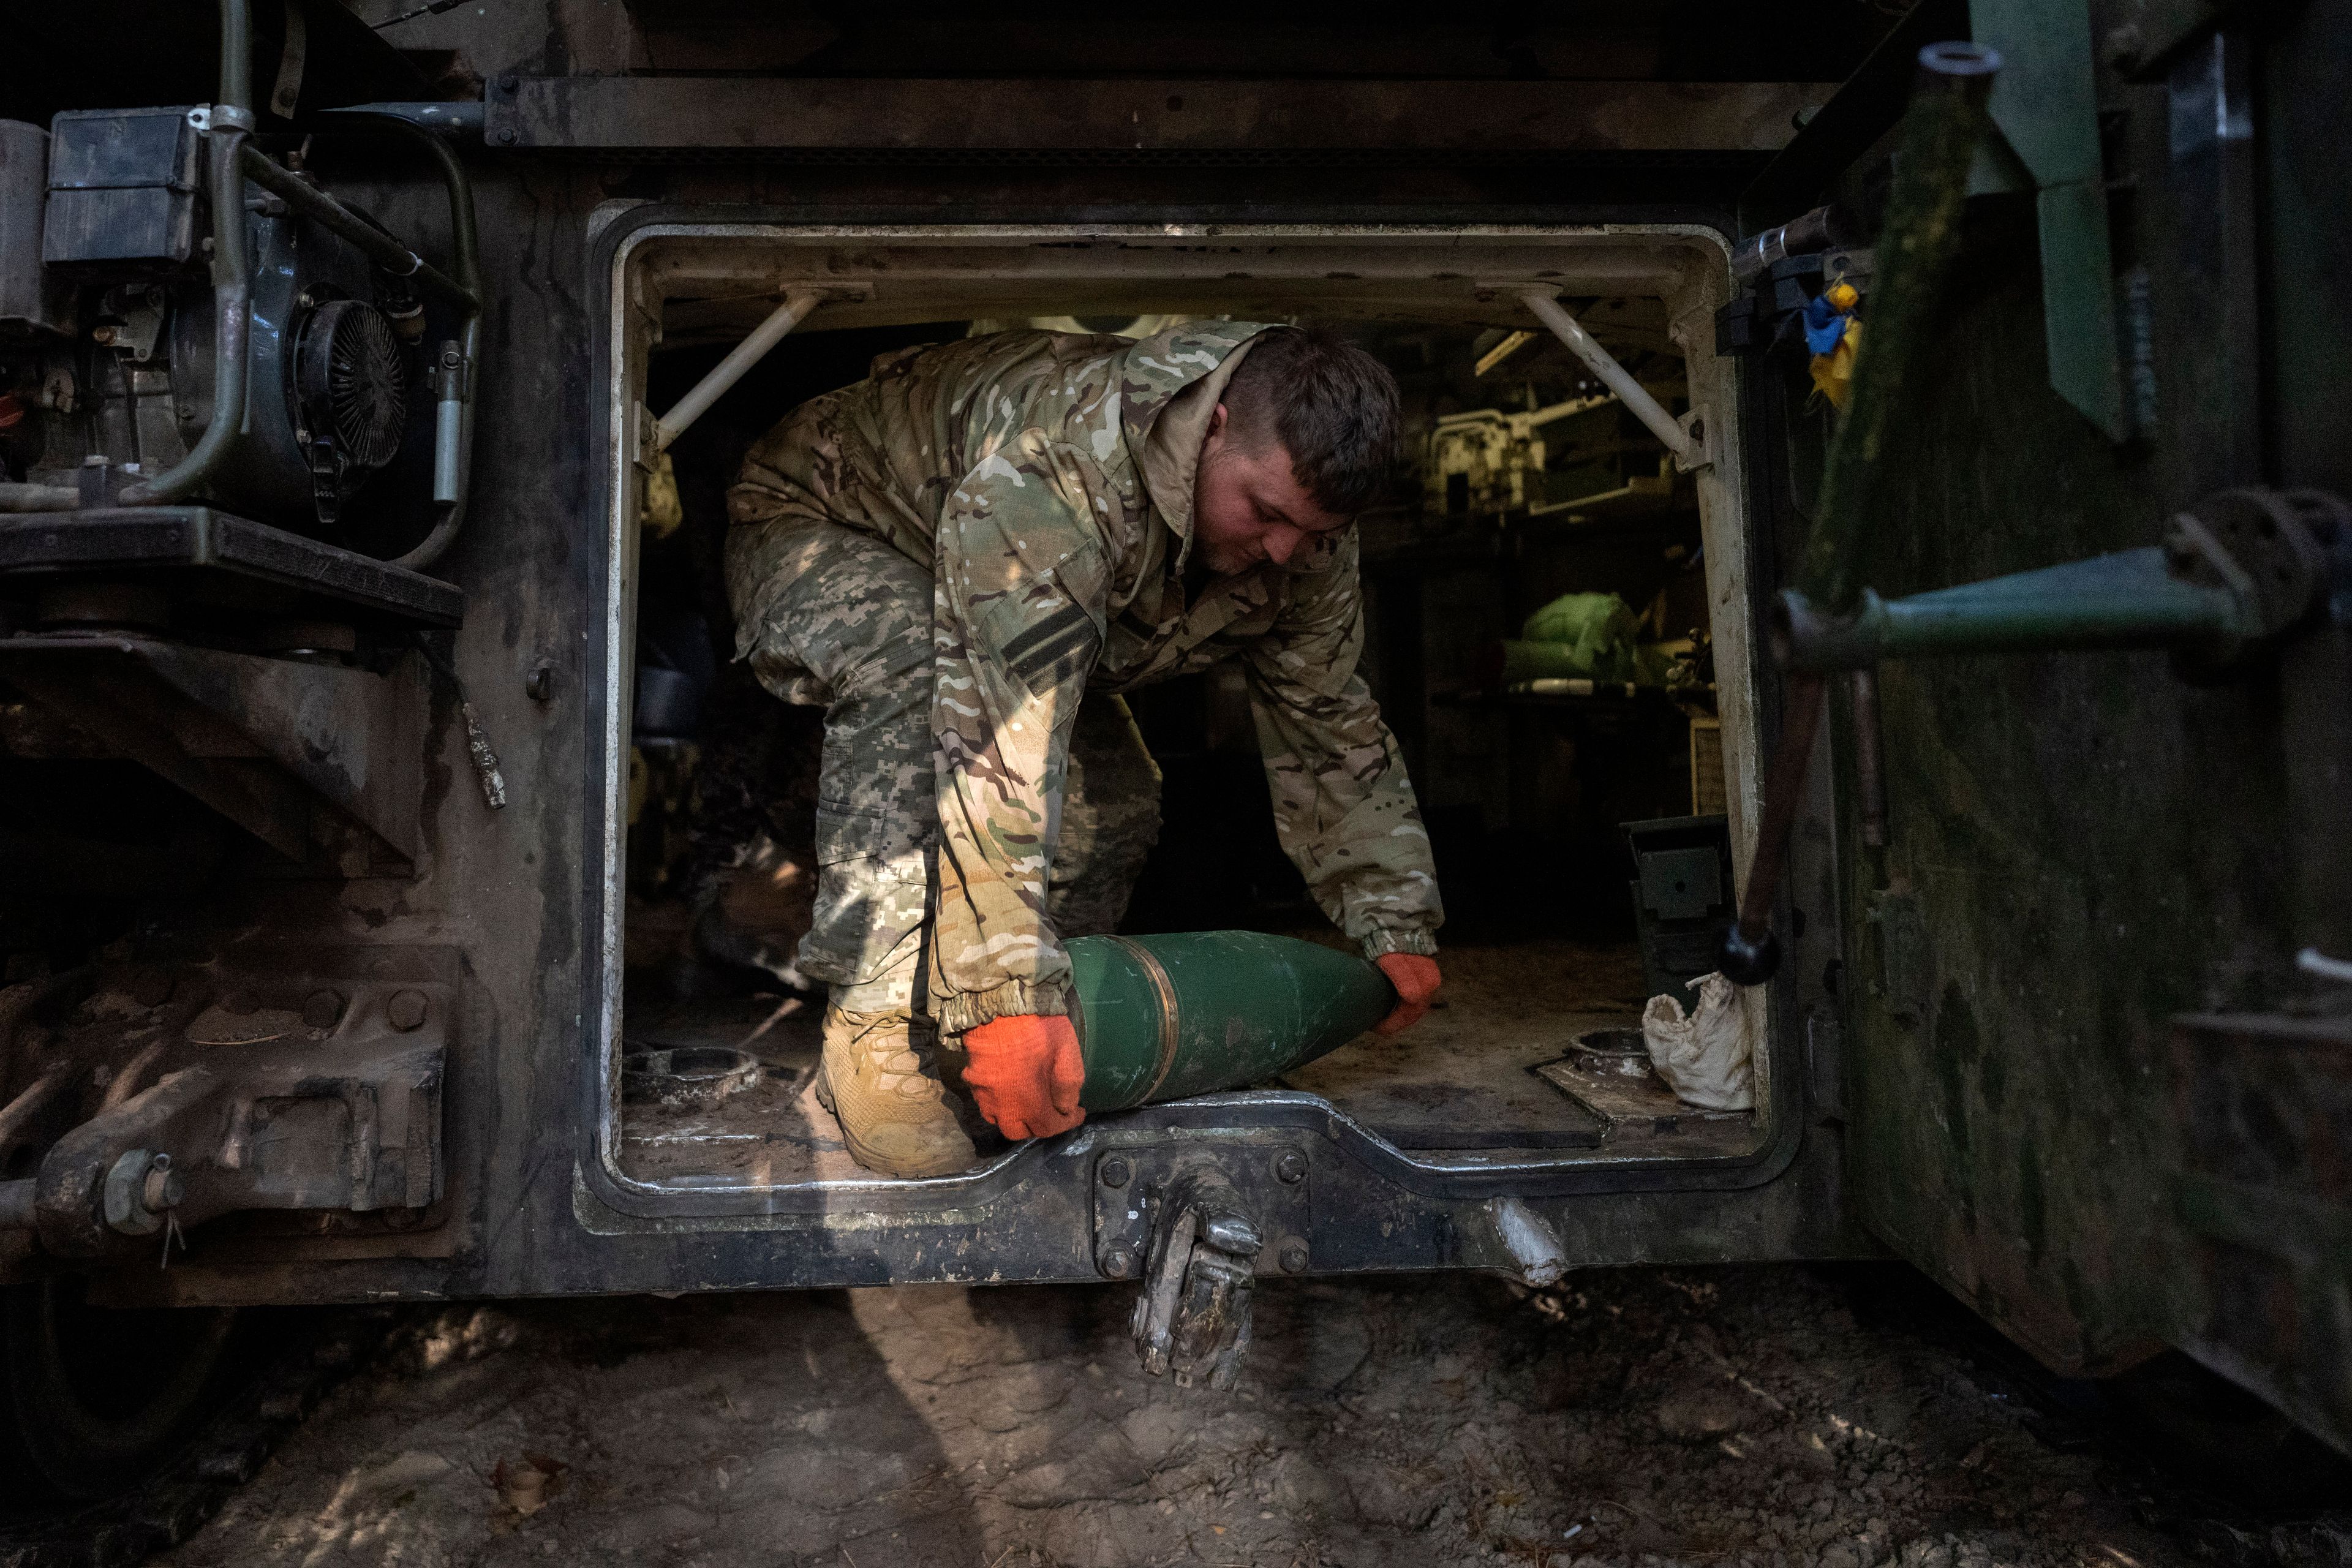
847, 626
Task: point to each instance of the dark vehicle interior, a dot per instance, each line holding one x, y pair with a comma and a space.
1573, 815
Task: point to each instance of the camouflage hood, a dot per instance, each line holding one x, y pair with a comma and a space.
1165, 430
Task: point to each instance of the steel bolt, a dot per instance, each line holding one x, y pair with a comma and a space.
139, 1185
164, 1188
540, 684
405, 1010
505, 136
102, 336
1118, 1263
1115, 1171
1293, 1258
321, 1009
508, 81
1292, 1167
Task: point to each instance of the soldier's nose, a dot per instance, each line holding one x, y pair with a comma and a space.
1280, 541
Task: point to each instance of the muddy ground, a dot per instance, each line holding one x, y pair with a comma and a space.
1760, 1418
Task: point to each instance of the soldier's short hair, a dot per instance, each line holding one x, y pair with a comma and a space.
1332, 407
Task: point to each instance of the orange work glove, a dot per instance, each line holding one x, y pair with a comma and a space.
1416, 980
1024, 1073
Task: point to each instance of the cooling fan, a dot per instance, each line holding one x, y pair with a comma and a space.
334, 400
348, 397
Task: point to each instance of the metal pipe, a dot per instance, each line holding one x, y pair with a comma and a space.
448, 426
1534, 1246
1750, 952
16, 1004
2127, 600
236, 59
39, 498
1602, 364
729, 370
2311, 961
456, 387
231, 302
1816, 230
19, 1116
331, 215
448, 119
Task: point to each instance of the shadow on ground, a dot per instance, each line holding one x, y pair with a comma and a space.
1739, 1415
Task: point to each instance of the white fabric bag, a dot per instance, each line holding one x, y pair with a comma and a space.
1703, 1057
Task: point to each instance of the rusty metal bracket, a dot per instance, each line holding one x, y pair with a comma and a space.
267, 743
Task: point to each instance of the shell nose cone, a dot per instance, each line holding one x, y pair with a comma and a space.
1162, 1017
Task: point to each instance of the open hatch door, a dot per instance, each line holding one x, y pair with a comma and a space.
2079, 616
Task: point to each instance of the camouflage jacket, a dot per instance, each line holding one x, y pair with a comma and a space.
1046, 480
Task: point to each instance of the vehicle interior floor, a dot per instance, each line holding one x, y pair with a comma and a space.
1531, 1051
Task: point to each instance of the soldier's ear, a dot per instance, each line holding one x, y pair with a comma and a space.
1216, 426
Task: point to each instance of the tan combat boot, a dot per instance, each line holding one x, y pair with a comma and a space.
881, 1082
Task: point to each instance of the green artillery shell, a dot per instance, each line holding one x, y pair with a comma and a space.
1162, 1018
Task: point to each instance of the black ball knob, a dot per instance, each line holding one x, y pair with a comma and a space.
1747, 963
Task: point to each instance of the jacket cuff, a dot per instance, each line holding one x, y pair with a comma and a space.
968, 1010
1405, 939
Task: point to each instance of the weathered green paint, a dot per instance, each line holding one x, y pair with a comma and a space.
1162, 1017
2266, 1197
2088, 854
1940, 132
2078, 281
2046, 107
2127, 599
2087, 1087
2045, 103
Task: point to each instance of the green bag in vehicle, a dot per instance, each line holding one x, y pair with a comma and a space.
1577, 635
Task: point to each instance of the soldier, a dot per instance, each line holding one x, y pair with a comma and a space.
947, 557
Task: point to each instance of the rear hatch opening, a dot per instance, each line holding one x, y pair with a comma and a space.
1585, 825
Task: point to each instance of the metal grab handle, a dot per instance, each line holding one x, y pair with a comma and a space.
1602, 364
226, 125
1750, 952
231, 302
797, 304
459, 385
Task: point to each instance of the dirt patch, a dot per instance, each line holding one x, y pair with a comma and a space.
1737, 1417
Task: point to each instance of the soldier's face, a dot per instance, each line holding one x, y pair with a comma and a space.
1248, 507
